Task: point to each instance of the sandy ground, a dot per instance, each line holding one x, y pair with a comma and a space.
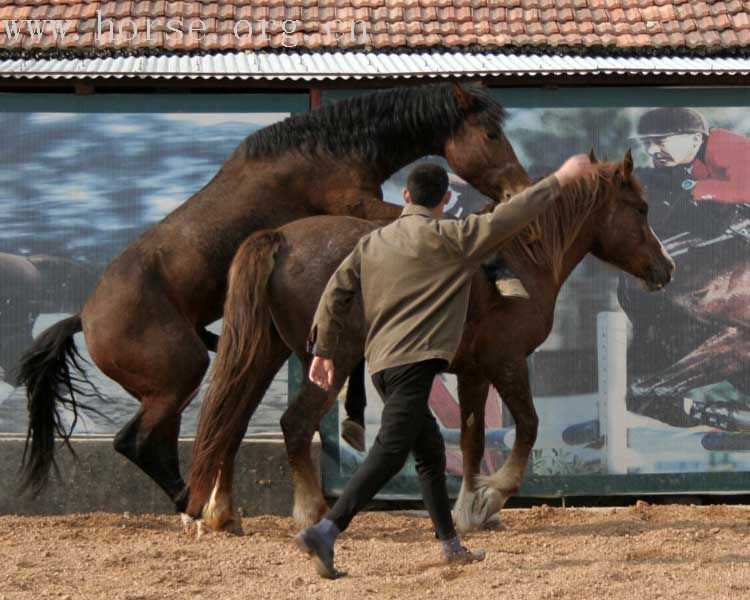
640, 552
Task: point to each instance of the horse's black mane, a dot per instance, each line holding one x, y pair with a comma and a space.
377, 126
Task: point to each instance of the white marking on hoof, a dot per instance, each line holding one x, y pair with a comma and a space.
474, 510
188, 523
308, 513
217, 513
200, 529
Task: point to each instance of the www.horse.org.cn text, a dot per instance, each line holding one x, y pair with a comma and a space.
176, 29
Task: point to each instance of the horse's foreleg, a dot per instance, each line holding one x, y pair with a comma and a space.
511, 379
470, 509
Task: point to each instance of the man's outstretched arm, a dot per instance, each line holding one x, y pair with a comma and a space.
329, 320
477, 235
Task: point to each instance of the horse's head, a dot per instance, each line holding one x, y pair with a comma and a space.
478, 150
623, 235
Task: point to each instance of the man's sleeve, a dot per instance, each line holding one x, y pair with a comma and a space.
333, 308
730, 152
477, 235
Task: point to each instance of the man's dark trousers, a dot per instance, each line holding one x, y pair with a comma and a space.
407, 425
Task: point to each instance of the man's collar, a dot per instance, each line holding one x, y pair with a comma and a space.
416, 209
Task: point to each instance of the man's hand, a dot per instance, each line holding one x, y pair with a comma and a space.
321, 372
574, 168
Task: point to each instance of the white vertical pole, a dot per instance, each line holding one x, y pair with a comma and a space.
612, 344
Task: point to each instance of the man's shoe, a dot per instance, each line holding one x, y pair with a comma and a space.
311, 543
511, 288
353, 434
462, 555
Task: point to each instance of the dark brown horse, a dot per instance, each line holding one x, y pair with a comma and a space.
144, 323
278, 276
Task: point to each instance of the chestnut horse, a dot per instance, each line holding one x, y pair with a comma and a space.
145, 321
278, 276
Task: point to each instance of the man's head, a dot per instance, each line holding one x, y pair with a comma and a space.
672, 136
427, 185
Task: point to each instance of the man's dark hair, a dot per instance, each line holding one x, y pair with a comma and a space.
427, 184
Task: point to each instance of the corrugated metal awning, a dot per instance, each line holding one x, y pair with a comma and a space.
363, 65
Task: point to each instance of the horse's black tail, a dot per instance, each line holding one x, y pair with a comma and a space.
45, 370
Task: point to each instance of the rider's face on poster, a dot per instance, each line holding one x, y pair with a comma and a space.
672, 150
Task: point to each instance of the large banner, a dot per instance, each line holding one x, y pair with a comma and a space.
82, 177
635, 391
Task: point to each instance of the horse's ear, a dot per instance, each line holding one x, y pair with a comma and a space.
592, 156
627, 163
464, 99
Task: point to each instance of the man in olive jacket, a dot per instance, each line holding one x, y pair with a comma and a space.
414, 275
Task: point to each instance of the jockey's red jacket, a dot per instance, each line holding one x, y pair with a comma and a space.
723, 175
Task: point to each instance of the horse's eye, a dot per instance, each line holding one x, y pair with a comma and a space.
643, 210
492, 135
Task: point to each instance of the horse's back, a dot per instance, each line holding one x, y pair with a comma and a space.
313, 248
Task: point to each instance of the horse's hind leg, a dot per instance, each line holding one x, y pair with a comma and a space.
162, 368
299, 423
470, 509
218, 513
150, 439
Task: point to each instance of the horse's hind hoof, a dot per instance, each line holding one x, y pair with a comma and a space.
188, 523
494, 523
233, 527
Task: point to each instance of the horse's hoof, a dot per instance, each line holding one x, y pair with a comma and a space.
475, 510
200, 529
188, 523
234, 526
494, 523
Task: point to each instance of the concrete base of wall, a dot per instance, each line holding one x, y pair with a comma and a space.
102, 480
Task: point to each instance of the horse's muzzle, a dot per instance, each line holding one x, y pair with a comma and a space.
659, 274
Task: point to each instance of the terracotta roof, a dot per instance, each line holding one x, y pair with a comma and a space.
615, 26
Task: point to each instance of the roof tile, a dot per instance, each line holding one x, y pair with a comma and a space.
701, 9
741, 21
569, 27
706, 23
600, 15
515, 14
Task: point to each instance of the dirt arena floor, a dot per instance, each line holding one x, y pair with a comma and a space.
642, 552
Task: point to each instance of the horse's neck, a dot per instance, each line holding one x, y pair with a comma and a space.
578, 250
551, 279
399, 158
